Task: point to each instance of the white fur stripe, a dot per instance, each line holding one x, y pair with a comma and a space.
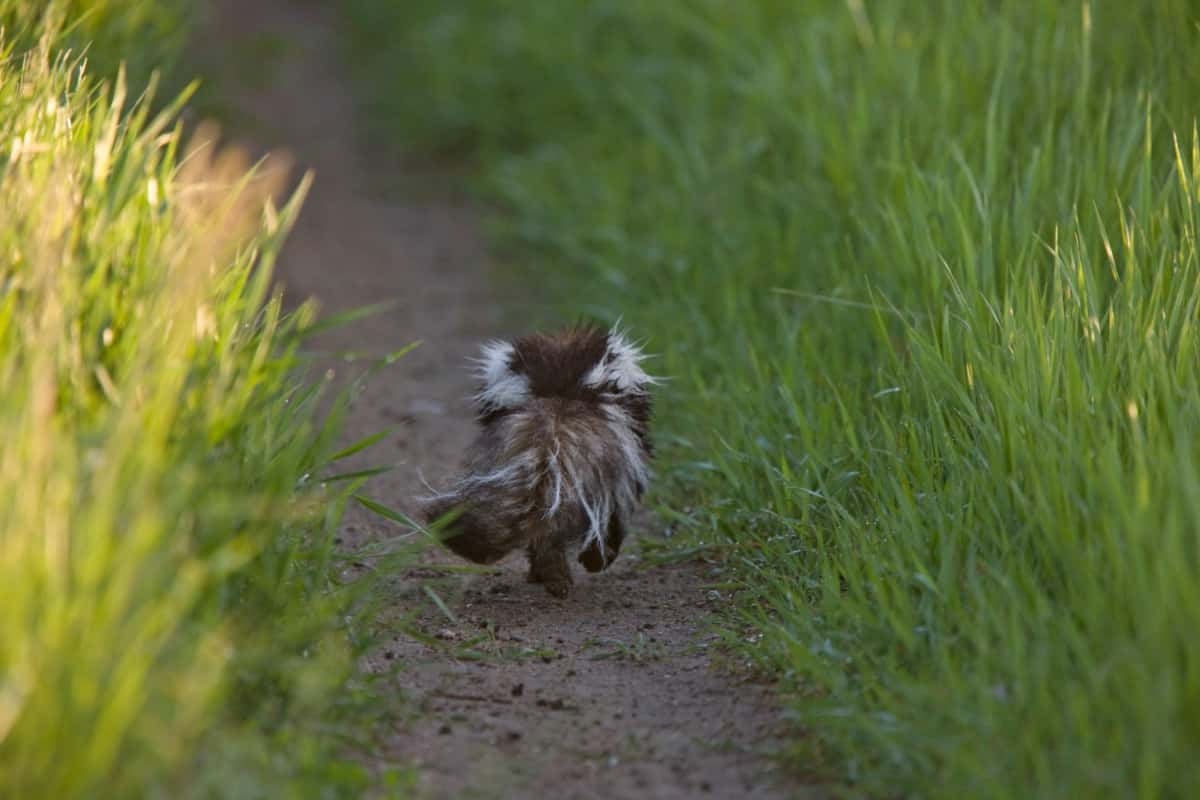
622, 367
502, 388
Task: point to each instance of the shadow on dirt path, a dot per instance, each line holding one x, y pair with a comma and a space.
613, 694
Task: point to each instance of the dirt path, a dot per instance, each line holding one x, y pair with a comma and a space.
514, 694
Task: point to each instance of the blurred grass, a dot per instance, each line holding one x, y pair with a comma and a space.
924, 277
140, 35
171, 624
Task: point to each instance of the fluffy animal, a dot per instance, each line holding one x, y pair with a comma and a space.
560, 461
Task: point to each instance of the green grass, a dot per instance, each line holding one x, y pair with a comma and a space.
924, 278
171, 624
141, 35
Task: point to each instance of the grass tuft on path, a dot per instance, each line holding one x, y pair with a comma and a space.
924, 276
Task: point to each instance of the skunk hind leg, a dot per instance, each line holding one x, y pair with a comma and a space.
595, 560
472, 535
548, 565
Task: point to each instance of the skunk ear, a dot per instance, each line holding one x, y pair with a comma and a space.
620, 366
502, 387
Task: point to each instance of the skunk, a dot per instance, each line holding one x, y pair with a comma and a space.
560, 461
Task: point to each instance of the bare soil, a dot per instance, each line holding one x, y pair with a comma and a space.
616, 693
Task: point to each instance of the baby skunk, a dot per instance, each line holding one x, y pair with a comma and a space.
560, 459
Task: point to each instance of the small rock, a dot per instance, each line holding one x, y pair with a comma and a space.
426, 407
518, 690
